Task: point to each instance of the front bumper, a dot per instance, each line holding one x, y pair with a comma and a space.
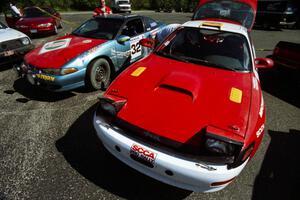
179, 172
124, 8
14, 54
37, 30
52, 82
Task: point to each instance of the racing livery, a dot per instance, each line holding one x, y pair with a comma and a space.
91, 55
191, 114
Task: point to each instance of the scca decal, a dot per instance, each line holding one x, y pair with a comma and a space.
260, 130
145, 152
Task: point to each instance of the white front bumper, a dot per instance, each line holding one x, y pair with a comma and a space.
187, 174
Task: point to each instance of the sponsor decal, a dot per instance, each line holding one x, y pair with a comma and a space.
261, 109
138, 71
120, 54
207, 167
260, 131
55, 45
92, 50
136, 48
142, 154
236, 95
45, 77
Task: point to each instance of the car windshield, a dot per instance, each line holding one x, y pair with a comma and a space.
2, 26
34, 12
212, 48
224, 9
99, 28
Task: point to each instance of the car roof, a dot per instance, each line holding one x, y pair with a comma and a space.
224, 26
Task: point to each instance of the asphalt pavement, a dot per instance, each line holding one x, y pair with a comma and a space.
48, 147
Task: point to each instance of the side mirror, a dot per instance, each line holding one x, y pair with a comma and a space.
123, 38
263, 63
147, 43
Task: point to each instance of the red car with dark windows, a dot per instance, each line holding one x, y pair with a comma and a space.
192, 113
36, 20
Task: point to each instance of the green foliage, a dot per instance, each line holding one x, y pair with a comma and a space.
160, 5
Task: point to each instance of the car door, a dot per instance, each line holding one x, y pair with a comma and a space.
10, 19
131, 50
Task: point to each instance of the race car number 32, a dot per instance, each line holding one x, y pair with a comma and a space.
135, 47
142, 155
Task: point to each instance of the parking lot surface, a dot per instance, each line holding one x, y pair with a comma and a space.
48, 147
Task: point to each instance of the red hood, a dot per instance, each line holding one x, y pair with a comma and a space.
252, 3
243, 15
176, 100
34, 21
58, 58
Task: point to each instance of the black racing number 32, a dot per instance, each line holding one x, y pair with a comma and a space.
135, 48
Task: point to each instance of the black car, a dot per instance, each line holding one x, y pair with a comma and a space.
276, 13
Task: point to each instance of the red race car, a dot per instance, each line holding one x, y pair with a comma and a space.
35, 20
191, 114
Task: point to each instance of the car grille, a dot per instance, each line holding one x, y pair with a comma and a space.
10, 45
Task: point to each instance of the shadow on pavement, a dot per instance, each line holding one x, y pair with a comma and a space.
279, 176
84, 152
281, 83
31, 92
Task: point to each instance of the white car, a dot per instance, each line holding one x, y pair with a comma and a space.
13, 44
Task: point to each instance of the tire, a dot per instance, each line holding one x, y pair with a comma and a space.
98, 74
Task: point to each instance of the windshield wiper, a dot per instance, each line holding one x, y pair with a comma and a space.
164, 54
206, 62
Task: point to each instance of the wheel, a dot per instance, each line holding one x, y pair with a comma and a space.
98, 74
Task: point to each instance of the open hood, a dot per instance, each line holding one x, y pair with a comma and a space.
242, 12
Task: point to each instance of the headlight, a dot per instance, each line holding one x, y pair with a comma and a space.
45, 25
111, 107
219, 147
25, 41
52, 71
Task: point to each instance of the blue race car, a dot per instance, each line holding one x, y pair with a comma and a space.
91, 55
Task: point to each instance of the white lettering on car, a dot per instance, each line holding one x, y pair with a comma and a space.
261, 109
260, 131
136, 49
